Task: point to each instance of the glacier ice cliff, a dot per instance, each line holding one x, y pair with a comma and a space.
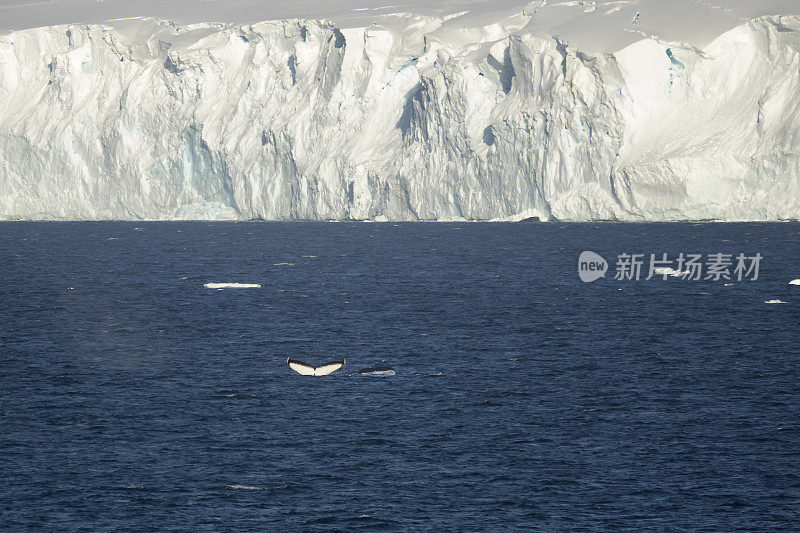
309, 120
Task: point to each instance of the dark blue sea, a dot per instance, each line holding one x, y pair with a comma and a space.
133, 398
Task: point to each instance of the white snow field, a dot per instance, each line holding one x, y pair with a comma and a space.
400, 110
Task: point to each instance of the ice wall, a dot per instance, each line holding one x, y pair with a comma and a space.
300, 119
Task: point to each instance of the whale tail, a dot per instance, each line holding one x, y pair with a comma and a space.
306, 369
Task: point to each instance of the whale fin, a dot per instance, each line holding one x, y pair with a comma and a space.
306, 369
377, 371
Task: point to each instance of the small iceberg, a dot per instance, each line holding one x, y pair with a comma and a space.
232, 285
255, 487
795, 282
774, 302
669, 271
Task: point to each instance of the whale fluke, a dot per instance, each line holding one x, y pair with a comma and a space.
378, 371
311, 370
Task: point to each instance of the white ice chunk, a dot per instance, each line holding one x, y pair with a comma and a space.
669, 271
232, 286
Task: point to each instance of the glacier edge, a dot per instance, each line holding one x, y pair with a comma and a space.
304, 120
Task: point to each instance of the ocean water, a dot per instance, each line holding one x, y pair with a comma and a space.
134, 398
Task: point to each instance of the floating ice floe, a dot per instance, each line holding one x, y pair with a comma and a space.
795, 282
669, 271
254, 487
774, 302
232, 285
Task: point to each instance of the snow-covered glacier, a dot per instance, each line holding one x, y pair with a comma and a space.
565, 110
